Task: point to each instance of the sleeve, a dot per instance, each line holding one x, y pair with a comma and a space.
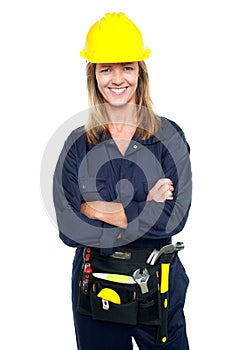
74, 228
153, 220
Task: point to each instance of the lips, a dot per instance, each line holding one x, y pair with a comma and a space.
118, 91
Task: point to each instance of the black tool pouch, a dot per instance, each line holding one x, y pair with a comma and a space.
105, 310
135, 307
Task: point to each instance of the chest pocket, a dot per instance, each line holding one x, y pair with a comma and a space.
93, 188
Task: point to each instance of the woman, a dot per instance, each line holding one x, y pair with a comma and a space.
122, 189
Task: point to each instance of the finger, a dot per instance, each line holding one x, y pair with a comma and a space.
162, 182
163, 189
166, 180
169, 195
166, 188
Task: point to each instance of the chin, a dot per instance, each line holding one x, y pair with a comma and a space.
118, 103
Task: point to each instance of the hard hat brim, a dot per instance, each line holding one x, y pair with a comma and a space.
119, 59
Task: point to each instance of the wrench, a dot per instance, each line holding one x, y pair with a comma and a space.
142, 278
167, 249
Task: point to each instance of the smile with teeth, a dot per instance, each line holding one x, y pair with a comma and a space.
118, 91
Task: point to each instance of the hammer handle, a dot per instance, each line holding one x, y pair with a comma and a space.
164, 288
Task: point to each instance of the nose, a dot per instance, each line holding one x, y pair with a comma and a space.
117, 77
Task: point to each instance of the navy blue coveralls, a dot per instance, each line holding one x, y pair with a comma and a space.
126, 179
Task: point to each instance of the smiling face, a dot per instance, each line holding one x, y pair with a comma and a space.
117, 82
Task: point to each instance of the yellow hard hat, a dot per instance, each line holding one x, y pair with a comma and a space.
115, 38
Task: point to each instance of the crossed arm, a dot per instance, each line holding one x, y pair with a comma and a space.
114, 213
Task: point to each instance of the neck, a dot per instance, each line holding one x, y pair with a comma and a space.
123, 115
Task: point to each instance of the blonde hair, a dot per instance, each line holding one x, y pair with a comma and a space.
148, 121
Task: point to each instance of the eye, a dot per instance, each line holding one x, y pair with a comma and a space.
105, 70
128, 68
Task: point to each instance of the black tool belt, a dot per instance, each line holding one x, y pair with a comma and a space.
122, 288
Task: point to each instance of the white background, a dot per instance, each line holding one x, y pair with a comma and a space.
42, 84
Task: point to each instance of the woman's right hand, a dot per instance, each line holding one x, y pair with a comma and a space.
161, 191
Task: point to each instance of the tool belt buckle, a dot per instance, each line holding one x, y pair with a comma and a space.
105, 304
121, 255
